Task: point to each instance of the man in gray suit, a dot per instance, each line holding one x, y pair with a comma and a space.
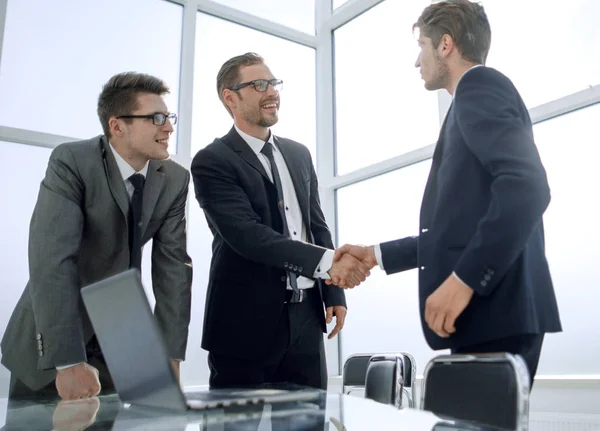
100, 201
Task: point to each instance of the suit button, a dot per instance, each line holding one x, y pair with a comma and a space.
41, 353
424, 230
422, 268
490, 271
488, 277
285, 265
38, 336
295, 267
483, 283
300, 269
283, 278
40, 344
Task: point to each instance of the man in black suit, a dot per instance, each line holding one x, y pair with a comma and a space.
264, 318
484, 282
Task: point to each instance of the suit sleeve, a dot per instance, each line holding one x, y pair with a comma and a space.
172, 276
332, 295
228, 209
55, 236
496, 133
399, 255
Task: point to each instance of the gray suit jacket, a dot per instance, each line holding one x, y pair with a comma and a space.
79, 235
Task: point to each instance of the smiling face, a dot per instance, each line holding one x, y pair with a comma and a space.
252, 110
138, 140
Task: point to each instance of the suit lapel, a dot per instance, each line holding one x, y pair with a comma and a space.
152, 188
115, 180
294, 167
436, 159
243, 149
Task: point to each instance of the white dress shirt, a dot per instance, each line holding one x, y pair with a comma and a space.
126, 171
293, 214
377, 247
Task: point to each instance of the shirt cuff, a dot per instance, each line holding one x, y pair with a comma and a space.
378, 258
62, 367
324, 265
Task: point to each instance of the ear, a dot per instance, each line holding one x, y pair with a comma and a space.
230, 98
446, 46
116, 127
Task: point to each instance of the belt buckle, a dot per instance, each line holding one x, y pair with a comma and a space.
301, 295
296, 298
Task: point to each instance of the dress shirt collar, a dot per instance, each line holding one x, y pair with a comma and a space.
255, 143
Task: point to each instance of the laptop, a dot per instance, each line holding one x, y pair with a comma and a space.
137, 359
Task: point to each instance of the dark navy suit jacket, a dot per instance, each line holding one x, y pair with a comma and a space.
481, 217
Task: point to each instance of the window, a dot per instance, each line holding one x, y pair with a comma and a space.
22, 168
57, 55
545, 58
382, 209
382, 107
338, 3
298, 14
293, 63
568, 146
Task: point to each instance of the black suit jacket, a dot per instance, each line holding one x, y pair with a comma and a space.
481, 217
247, 280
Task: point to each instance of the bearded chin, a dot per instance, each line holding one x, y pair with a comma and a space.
267, 122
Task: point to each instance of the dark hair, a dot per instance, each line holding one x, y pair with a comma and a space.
119, 95
464, 21
229, 74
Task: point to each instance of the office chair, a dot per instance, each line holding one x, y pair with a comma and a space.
490, 389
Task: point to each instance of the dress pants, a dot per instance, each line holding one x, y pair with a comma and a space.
297, 353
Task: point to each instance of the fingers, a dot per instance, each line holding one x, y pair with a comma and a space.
438, 319
329, 314
341, 251
339, 324
449, 327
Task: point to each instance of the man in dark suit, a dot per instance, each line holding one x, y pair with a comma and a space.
484, 282
100, 201
264, 318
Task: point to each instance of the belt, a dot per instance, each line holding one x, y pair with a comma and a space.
293, 298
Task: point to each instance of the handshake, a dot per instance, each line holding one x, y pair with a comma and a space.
352, 265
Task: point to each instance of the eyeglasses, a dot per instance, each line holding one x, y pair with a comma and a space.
261, 85
158, 118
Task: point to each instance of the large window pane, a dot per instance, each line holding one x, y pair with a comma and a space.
298, 14
22, 167
58, 54
569, 149
293, 63
382, 107
383, 305
546, 58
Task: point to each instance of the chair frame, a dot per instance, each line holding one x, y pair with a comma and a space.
411, 394
521, 374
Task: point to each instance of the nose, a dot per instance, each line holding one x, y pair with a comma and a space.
271, 91
418, 62
168, 126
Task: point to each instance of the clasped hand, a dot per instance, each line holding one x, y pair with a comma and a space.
352, 264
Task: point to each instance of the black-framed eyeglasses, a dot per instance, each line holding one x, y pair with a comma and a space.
261, 85
158, 118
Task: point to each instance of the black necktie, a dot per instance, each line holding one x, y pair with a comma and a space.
135, 221
267, 150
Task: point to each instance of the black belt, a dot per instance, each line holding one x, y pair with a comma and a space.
293, 298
